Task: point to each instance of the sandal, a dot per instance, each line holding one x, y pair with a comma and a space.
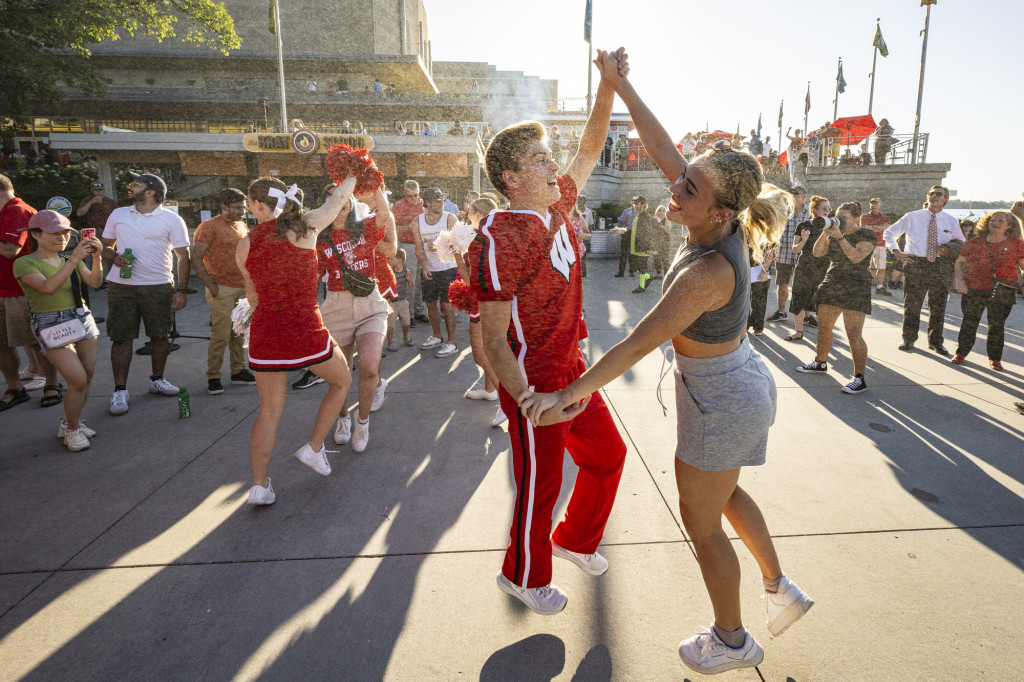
16, 397
51, 400
795, 336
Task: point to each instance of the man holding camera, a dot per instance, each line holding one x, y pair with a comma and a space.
934, 239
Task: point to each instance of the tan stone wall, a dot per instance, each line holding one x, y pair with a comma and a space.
901, 188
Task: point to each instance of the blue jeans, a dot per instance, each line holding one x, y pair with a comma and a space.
41, 321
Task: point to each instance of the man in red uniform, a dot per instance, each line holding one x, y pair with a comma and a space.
525, 272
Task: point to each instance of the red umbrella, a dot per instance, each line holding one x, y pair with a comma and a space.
855, 129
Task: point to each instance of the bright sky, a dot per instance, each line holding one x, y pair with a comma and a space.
724, 62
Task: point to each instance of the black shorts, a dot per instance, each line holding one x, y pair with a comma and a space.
783, 273
436, 288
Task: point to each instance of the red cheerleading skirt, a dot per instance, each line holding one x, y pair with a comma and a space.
284, 338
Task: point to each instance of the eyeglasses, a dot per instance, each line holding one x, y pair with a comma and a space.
936, 194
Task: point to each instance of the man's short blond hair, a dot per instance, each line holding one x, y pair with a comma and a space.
506, 151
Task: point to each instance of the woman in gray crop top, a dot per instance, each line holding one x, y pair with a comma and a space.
725, 395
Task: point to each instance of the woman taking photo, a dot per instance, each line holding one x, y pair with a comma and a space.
279, 264
810, 269
477, 211
845, 290
53, 286
997, 253
725, 395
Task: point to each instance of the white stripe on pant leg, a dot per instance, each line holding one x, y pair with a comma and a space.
529, 500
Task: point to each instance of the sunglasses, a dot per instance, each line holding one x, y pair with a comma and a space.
936, 194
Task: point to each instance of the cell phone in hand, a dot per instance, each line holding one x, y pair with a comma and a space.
89, 233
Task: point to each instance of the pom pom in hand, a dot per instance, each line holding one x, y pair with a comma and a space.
459, 295
343, 161
241, 318
463, 235
444, 247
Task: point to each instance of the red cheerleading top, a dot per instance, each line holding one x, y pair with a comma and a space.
533, 261
287, 331
359, 256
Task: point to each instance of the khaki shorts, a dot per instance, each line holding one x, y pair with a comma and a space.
878, 258
15, 321
401, 313
347, 316
128, 304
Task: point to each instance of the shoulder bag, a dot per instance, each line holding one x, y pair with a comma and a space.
356, 283
1003, 290
69, 331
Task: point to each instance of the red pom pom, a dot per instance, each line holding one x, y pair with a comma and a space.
343, 161
460, 295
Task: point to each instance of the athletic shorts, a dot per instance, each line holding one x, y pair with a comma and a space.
15, 318
128, 304
436, 288
783, 273
347, 316
401, 308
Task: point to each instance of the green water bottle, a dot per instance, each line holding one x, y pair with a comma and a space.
184, 406
126, 272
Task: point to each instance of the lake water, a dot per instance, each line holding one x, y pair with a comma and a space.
961, 213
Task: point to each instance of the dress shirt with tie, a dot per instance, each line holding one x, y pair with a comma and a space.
915, 226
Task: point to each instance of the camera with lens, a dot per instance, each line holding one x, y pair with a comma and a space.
826, 222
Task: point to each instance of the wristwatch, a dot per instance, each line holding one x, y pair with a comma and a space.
179, 290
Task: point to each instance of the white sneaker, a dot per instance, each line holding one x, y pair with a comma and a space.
34, 384
25, 374
378, 395
163, 387
343, 431
593, 564
260, 495
707, 654
119, 402
432, 342
500, 418
317, 461
76, 440
360, 435
547, 600
446, 350
89, 433
482, 394
786, 606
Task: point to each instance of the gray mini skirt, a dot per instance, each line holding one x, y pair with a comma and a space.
724, 407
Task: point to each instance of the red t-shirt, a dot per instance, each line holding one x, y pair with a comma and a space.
13, 216
405, 212
359, 256
517, 256
1005, 255
869, 220
386, 282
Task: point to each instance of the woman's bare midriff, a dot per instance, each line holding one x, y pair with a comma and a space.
696, 349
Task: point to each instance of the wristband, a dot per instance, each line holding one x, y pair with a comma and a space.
179, 290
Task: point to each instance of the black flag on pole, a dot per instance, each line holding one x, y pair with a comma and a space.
588, 20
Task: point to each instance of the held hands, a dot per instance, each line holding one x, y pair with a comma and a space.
613, 67
543, 409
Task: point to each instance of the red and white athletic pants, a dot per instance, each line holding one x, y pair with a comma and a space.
537, 453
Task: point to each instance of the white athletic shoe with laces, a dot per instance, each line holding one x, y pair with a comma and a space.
431, 342
63, 428
317, 461
260, 495
546, 601
75, 440
482, 394
446, 350
360, 435
706, 653
163, 387
378, 395
499, 418
343, 431
592, 564
119, 402
786, 606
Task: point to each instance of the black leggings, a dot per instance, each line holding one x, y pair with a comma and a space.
972, 305
758, 304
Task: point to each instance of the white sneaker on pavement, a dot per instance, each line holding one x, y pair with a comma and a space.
62, 429
546, 601
786, 606
446, 350
119, 402
592, 564
163, 387
76, 440
360, 435
482, 394
343, 431
706, 653
260, 495
378, 395
34, 384
431, 342
499, 418
317, 461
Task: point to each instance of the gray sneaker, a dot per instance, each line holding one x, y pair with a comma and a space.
546, 601
119, 402
445, 350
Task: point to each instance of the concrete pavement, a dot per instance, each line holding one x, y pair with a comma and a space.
900, 511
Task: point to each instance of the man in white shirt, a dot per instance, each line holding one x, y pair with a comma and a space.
588, 214
933, 241
143, 289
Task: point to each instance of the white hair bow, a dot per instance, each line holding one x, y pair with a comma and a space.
284, 197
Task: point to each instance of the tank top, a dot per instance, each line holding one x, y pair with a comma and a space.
284, 275
428, 233
728, 322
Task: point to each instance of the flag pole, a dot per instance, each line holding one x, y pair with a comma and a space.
835, 108
590, 78
920, 86
280, 66
874, 62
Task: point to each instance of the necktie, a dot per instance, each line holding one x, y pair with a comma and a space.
933, 240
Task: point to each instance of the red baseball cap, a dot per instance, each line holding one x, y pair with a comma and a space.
49, 221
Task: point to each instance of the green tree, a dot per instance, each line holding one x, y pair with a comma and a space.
46, 42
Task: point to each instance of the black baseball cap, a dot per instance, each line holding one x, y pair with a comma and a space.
798, 189
432, 194
154, 182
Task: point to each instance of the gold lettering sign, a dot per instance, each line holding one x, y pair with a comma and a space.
286, 142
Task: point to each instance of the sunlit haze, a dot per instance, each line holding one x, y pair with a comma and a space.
724, 63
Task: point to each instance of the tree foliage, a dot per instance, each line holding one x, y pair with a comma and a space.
46, 42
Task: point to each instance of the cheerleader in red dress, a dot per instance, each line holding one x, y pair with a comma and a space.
279, 264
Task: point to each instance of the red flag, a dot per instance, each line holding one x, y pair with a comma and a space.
784, 158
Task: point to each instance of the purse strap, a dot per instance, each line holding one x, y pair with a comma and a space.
337, 253
76, 286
